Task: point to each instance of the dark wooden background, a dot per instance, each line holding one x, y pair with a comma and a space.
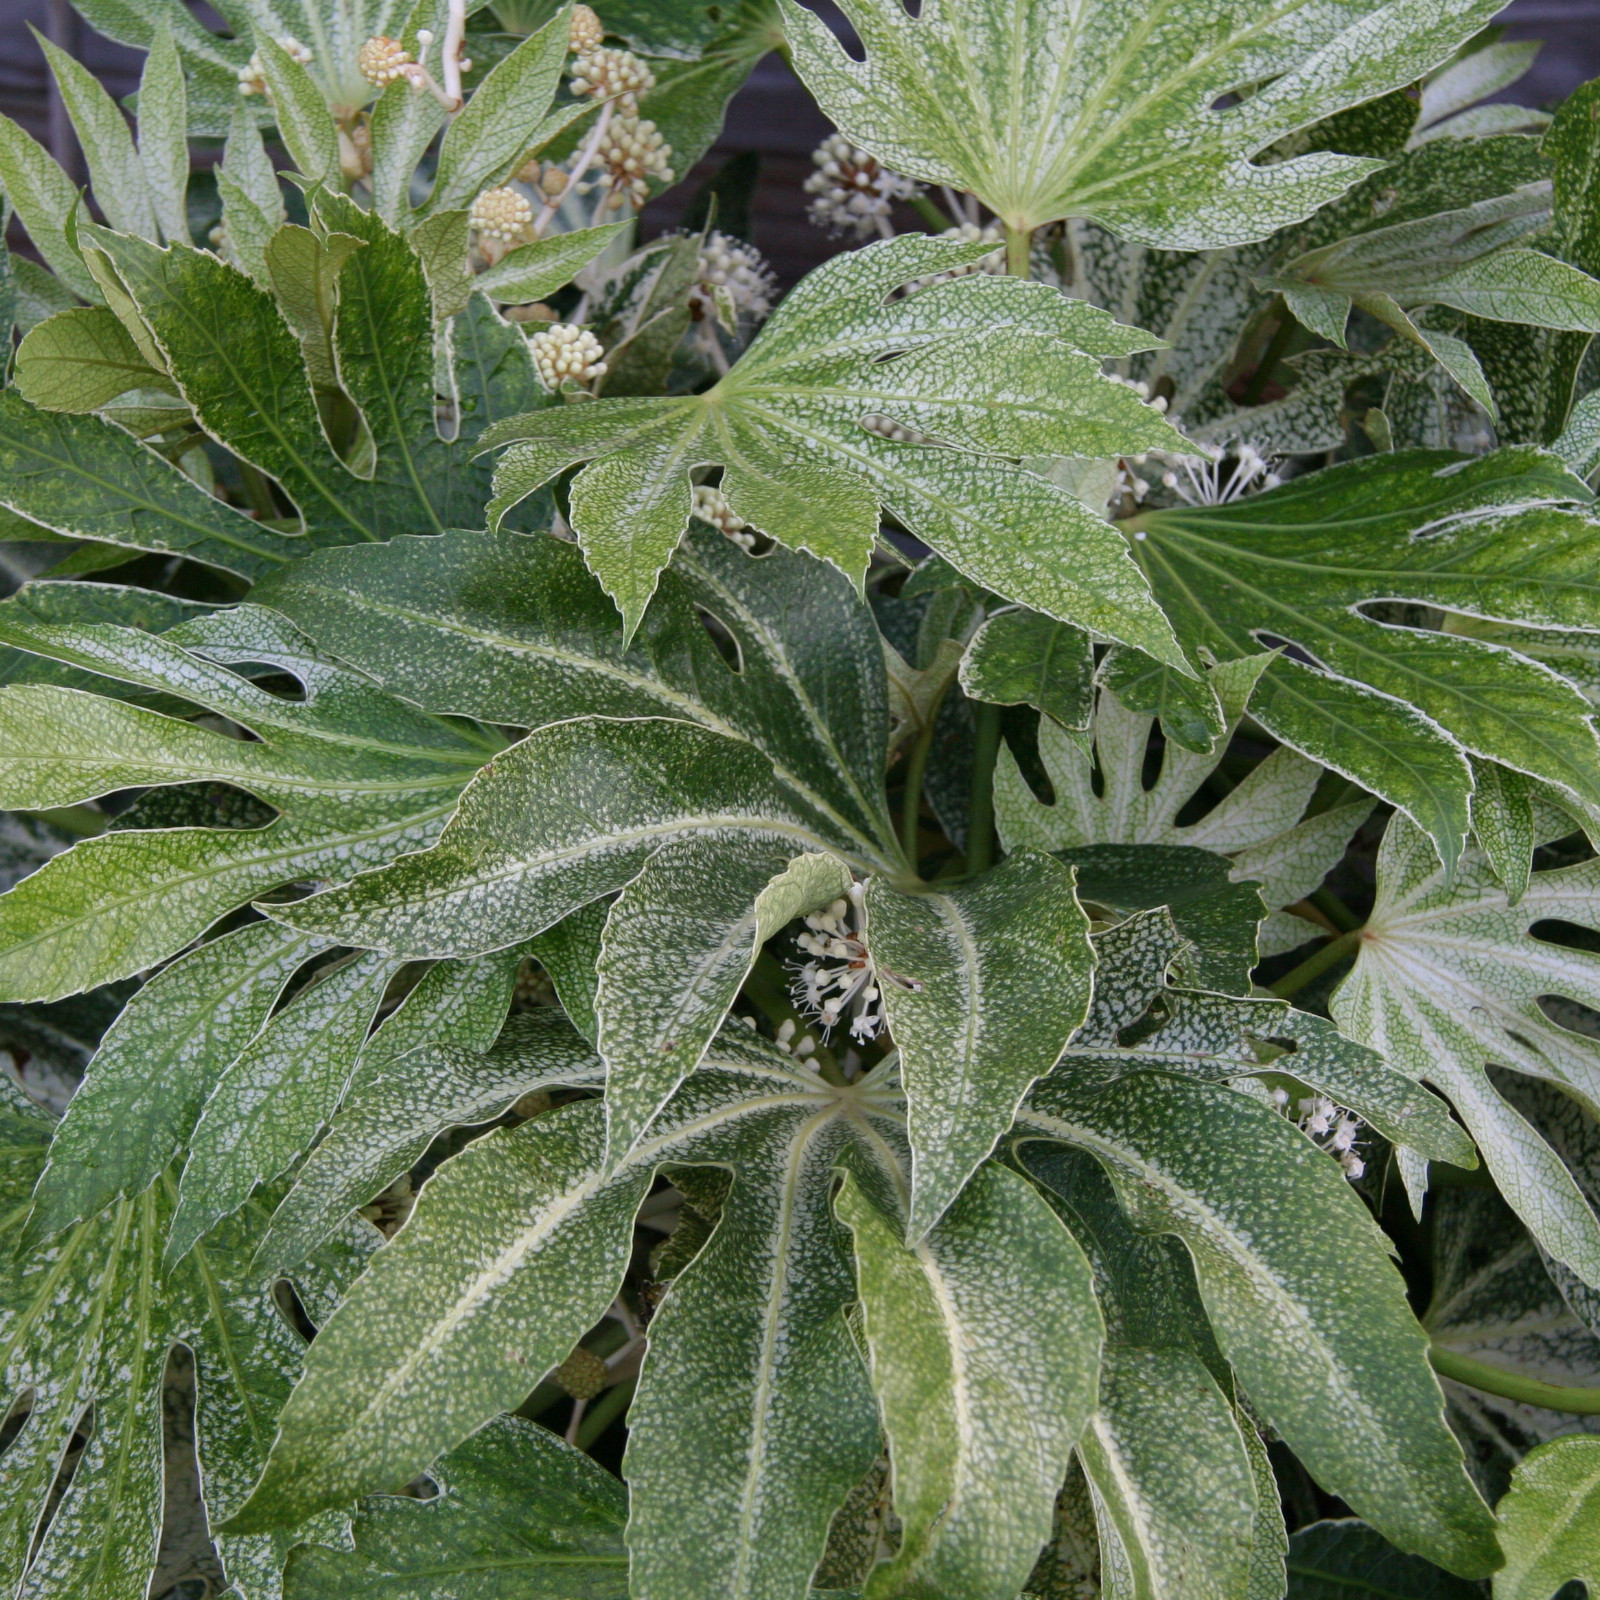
772, 115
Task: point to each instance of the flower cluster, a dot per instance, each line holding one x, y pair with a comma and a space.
253, 76
630, 152
850, 192
584, 32
735, 273
381, 60
711, 506
839, 980
1228, 476
605, 73
1333, 1129
502, 215
565, 351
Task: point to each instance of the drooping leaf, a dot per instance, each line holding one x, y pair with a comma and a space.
786, 426
985, 1344
1447, 982
519, 1516
1550, 1521
1047, 110
1319, 1334
89, 1320
1023, 658
983, 984
1396, 707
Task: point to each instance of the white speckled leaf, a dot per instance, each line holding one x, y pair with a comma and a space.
995, 368
569, 952
1447, 982
89, 1319
985, 1345
516, 630
678, 944
1045, 109
569, 814
519, 1516
157, 1064
272, 1100
391, 1117
754, 1418
1023, 658
983, 984
1550, 1521
1300, 1290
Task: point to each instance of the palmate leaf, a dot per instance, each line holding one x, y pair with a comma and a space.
981, 1401
358, 776
979, 369
1447, 982
89, 1321
1259, 825
519, 1516
1045, 110
1396, 708
1169, 1460
753, 1418
1551, 1521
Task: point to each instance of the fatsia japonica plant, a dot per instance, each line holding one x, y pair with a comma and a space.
926, 933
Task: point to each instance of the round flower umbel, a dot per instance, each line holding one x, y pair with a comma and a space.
840, 979
629, 154
711, 506
501, 219
606, 73
564, 352
731, 276
851, 192
584, 32
383, 60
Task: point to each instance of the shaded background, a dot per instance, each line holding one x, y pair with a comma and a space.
772, 115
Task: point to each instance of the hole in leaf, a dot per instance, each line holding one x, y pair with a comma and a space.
723, 637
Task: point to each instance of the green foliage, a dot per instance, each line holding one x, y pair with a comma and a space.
906, 876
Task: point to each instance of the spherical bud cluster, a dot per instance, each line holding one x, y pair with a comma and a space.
711, 506
605, 73
970, 233
381, 60
851, 192
583, 1374
355, 151
738, 271
565, 351
631, 153
584, 32
502, 215
253, 76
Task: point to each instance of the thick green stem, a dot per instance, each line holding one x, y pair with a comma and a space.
980, 808
1513, 1386
1335, 910
1019, 246
1330, 955
1276, 350
911, 797
604, 1411
930, 213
